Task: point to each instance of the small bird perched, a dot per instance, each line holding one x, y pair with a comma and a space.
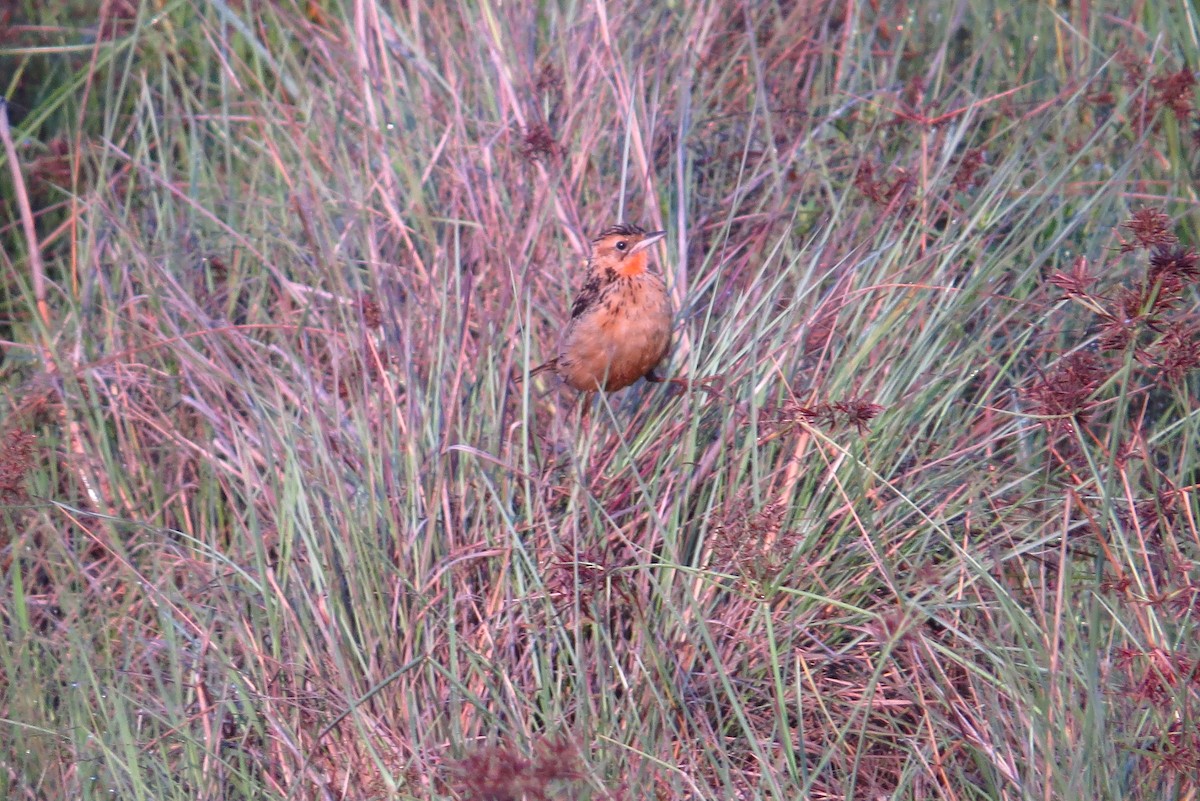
620, 327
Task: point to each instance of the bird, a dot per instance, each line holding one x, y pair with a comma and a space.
620, 327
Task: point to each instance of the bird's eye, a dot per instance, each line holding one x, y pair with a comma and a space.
621, 245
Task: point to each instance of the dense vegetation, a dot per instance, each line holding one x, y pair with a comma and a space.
277, 522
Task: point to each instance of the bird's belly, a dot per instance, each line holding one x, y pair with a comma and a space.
612, 350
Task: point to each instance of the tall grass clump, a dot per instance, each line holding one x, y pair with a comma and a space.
276, 522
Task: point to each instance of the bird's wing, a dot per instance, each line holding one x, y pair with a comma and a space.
587, 296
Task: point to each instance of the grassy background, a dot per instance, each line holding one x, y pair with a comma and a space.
275, 522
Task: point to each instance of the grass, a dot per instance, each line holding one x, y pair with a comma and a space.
275, 522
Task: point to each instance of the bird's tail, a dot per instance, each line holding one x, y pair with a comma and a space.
541, 368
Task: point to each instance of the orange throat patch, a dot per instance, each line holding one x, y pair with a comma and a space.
633, 265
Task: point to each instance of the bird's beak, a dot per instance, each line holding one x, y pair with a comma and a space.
650, 239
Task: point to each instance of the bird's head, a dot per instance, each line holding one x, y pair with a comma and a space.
623, 249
